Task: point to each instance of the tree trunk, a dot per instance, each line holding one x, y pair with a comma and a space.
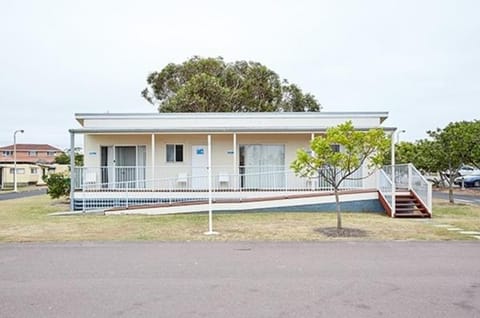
450, 189
337, 203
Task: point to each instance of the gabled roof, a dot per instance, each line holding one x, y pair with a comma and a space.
23, 153
31, 147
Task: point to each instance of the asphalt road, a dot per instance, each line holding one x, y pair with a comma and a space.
329, 279
22, 194
459, 198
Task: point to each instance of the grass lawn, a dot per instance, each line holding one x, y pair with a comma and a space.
463, 216
25, 220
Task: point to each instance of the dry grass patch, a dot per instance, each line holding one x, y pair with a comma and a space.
28, 220
463, 216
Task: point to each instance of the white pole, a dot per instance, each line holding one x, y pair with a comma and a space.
153, 162
235, 168
114, 173
398, 135
15, 159
393, 174
312, 182
72, 171
210, 184
15, 162
210, 225
409, 176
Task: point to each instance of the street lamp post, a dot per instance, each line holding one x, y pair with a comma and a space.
398, 134
15, 158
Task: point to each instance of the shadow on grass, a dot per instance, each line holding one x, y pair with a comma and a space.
343, 232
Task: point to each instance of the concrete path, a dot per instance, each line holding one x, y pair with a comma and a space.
328, 279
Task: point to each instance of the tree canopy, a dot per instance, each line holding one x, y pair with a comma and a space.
64, 158
444, 152
212, 85
356, 149
416, 153
456, 144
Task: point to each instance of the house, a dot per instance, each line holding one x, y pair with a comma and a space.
160, 159
33, 162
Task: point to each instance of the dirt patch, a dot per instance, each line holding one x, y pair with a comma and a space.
343, 232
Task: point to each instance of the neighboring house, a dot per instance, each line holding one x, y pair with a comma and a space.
140, 159
33, 162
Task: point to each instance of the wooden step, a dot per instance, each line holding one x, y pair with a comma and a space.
411, 215
407, 205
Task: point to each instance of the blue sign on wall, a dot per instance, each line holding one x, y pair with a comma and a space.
200, 151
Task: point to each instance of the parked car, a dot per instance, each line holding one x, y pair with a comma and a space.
468, 170
468, 181
464, 170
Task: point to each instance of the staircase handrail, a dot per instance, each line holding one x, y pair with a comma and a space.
425, 198
386, 191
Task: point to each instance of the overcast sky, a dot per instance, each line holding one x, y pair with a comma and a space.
418, 60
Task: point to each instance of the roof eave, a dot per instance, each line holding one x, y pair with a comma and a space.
210, 130
80, 117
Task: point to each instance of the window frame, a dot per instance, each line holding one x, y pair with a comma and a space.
173, 157
19, 170
336, 147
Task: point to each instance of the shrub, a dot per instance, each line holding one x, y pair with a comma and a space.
58, 185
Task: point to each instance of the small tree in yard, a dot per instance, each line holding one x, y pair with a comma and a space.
456, 144
58, 185
357, 148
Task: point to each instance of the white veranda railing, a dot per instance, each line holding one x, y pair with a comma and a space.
130, 187
248, 177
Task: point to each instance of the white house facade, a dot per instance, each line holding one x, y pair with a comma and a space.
154, 159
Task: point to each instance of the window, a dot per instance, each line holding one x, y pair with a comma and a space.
174, 153
33, 170
51, 153
7, 153
335, 148
19, 170
262, 166
32, 153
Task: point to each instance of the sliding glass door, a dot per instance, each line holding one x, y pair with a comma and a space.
123, 166
262, 166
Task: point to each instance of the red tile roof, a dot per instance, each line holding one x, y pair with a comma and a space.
23, 153
31, 147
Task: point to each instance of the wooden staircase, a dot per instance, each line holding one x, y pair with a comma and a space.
407, 205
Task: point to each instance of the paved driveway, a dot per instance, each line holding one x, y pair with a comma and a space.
473, 198
329, 279
22, 194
